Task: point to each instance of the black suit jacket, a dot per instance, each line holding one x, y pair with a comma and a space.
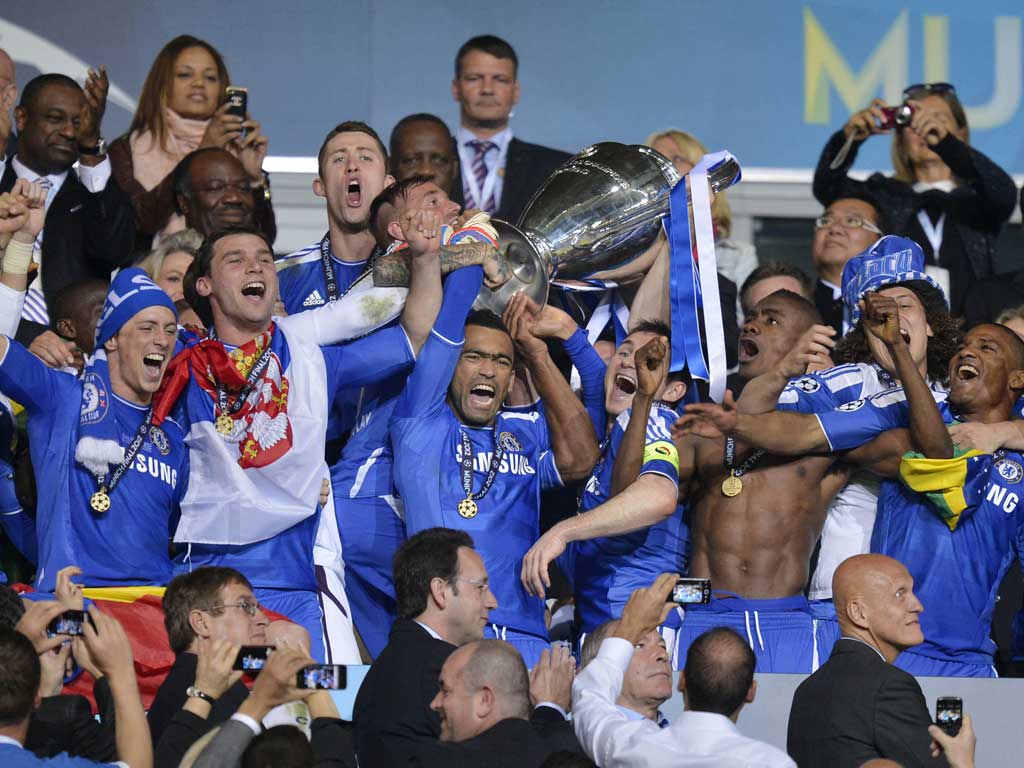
527, 166
86, 235
987, 298
831, 309
392, 709
857, 707
510, 743
65, 724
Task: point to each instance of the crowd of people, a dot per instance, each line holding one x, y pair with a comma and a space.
334, 453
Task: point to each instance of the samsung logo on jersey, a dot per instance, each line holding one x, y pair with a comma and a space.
1001, 498
152, 466
511, 463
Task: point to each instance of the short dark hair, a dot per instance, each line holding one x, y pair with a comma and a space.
486, 319
419, 117
719, 670
188, 591
801, 304
431, 554
777, 269
11, 607
859, 192
181, 176
489, 44
390, 196
64, 302
283, 746
200, 267
19, 677
1016, 345
349, 126
35, 86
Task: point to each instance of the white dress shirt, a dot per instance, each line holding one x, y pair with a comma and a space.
610, 738
494, 160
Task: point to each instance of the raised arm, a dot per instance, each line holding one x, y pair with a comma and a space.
651, 372
811, 353
422, 229
392, 269
573, 441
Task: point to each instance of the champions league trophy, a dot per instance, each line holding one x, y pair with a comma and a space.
598, 212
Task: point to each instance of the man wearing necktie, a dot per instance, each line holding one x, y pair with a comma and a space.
89, 229
498, 173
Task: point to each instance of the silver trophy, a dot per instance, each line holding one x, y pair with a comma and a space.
598, 212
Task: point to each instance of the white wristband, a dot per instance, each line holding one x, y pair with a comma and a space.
17, 257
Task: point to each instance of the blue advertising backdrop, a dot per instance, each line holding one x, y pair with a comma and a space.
769, 81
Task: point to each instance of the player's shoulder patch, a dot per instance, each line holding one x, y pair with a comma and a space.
1009, 470
853, 405
662, 450
807, 384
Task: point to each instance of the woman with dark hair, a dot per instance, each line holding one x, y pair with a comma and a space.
181, 109
945, 194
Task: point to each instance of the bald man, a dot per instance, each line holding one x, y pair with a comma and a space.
8, 98
858, 706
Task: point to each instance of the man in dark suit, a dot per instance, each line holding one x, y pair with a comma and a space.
858, 706
497, 173
443, 600
485, 710
89, 229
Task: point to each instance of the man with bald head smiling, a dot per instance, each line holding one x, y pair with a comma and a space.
858, 706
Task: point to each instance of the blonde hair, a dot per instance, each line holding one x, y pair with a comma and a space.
185, 241
1011, 314
692, 150
904, 171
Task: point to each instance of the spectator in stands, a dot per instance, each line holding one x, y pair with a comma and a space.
716, 683
352, 169
858, 706
167, 264
209, 614
736, 259
75, 312
88, 229
774, 276
484, 706
114, 480
498, 173
444, 599
422, 145
846, 228
460, 380
8, 98
213, 194
181, 109
1013, 319
20, 670
646, 682
945, 194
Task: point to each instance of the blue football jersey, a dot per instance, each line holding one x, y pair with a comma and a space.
427, 440
606, 570
128, 544
301, 279
858, 421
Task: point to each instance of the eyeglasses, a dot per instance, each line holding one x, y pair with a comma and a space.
481, 584
850, 222
249, 606
928, 88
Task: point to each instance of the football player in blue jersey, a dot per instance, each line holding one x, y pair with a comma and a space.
463, 462
954, 519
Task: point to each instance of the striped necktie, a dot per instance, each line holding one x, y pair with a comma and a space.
480, 174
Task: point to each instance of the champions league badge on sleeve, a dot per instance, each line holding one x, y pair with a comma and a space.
94, 399
853, 405
509, 442
1009, 470
806, 384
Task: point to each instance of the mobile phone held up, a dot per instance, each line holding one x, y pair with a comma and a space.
323, 677
238, 98
949, 714
689, 591
251, 658
68, 623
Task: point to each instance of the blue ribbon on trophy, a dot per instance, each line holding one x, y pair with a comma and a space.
698, 340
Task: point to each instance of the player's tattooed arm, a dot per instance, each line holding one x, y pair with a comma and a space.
392, 269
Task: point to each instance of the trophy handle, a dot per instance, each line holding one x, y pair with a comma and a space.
527, 263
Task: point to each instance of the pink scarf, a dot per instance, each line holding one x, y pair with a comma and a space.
152, 162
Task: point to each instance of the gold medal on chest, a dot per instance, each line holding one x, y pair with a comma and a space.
225, 424
100, 501
467, 508
732, 486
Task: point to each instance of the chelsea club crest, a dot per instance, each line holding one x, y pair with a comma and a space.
159, 440
1009, 470
94, 399
509, 442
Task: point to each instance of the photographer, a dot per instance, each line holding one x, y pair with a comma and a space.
944, 194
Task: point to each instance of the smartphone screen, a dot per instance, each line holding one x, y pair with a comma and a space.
68, 623
238, 98
331, 677
689, 591
251, 658
949, 712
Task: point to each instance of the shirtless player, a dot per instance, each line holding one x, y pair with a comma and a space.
754, 524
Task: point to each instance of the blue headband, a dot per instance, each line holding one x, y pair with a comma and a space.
131, 292
889, 261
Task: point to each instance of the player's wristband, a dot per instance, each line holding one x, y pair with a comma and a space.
17, 258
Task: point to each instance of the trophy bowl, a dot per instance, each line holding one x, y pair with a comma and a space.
529, 270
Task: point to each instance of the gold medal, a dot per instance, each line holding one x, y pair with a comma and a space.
732, 486
467, 508
100, 501
225, 424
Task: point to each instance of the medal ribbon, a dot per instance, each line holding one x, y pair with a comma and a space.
467, 466
730, 459
325, 262
255, 373
107, 483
